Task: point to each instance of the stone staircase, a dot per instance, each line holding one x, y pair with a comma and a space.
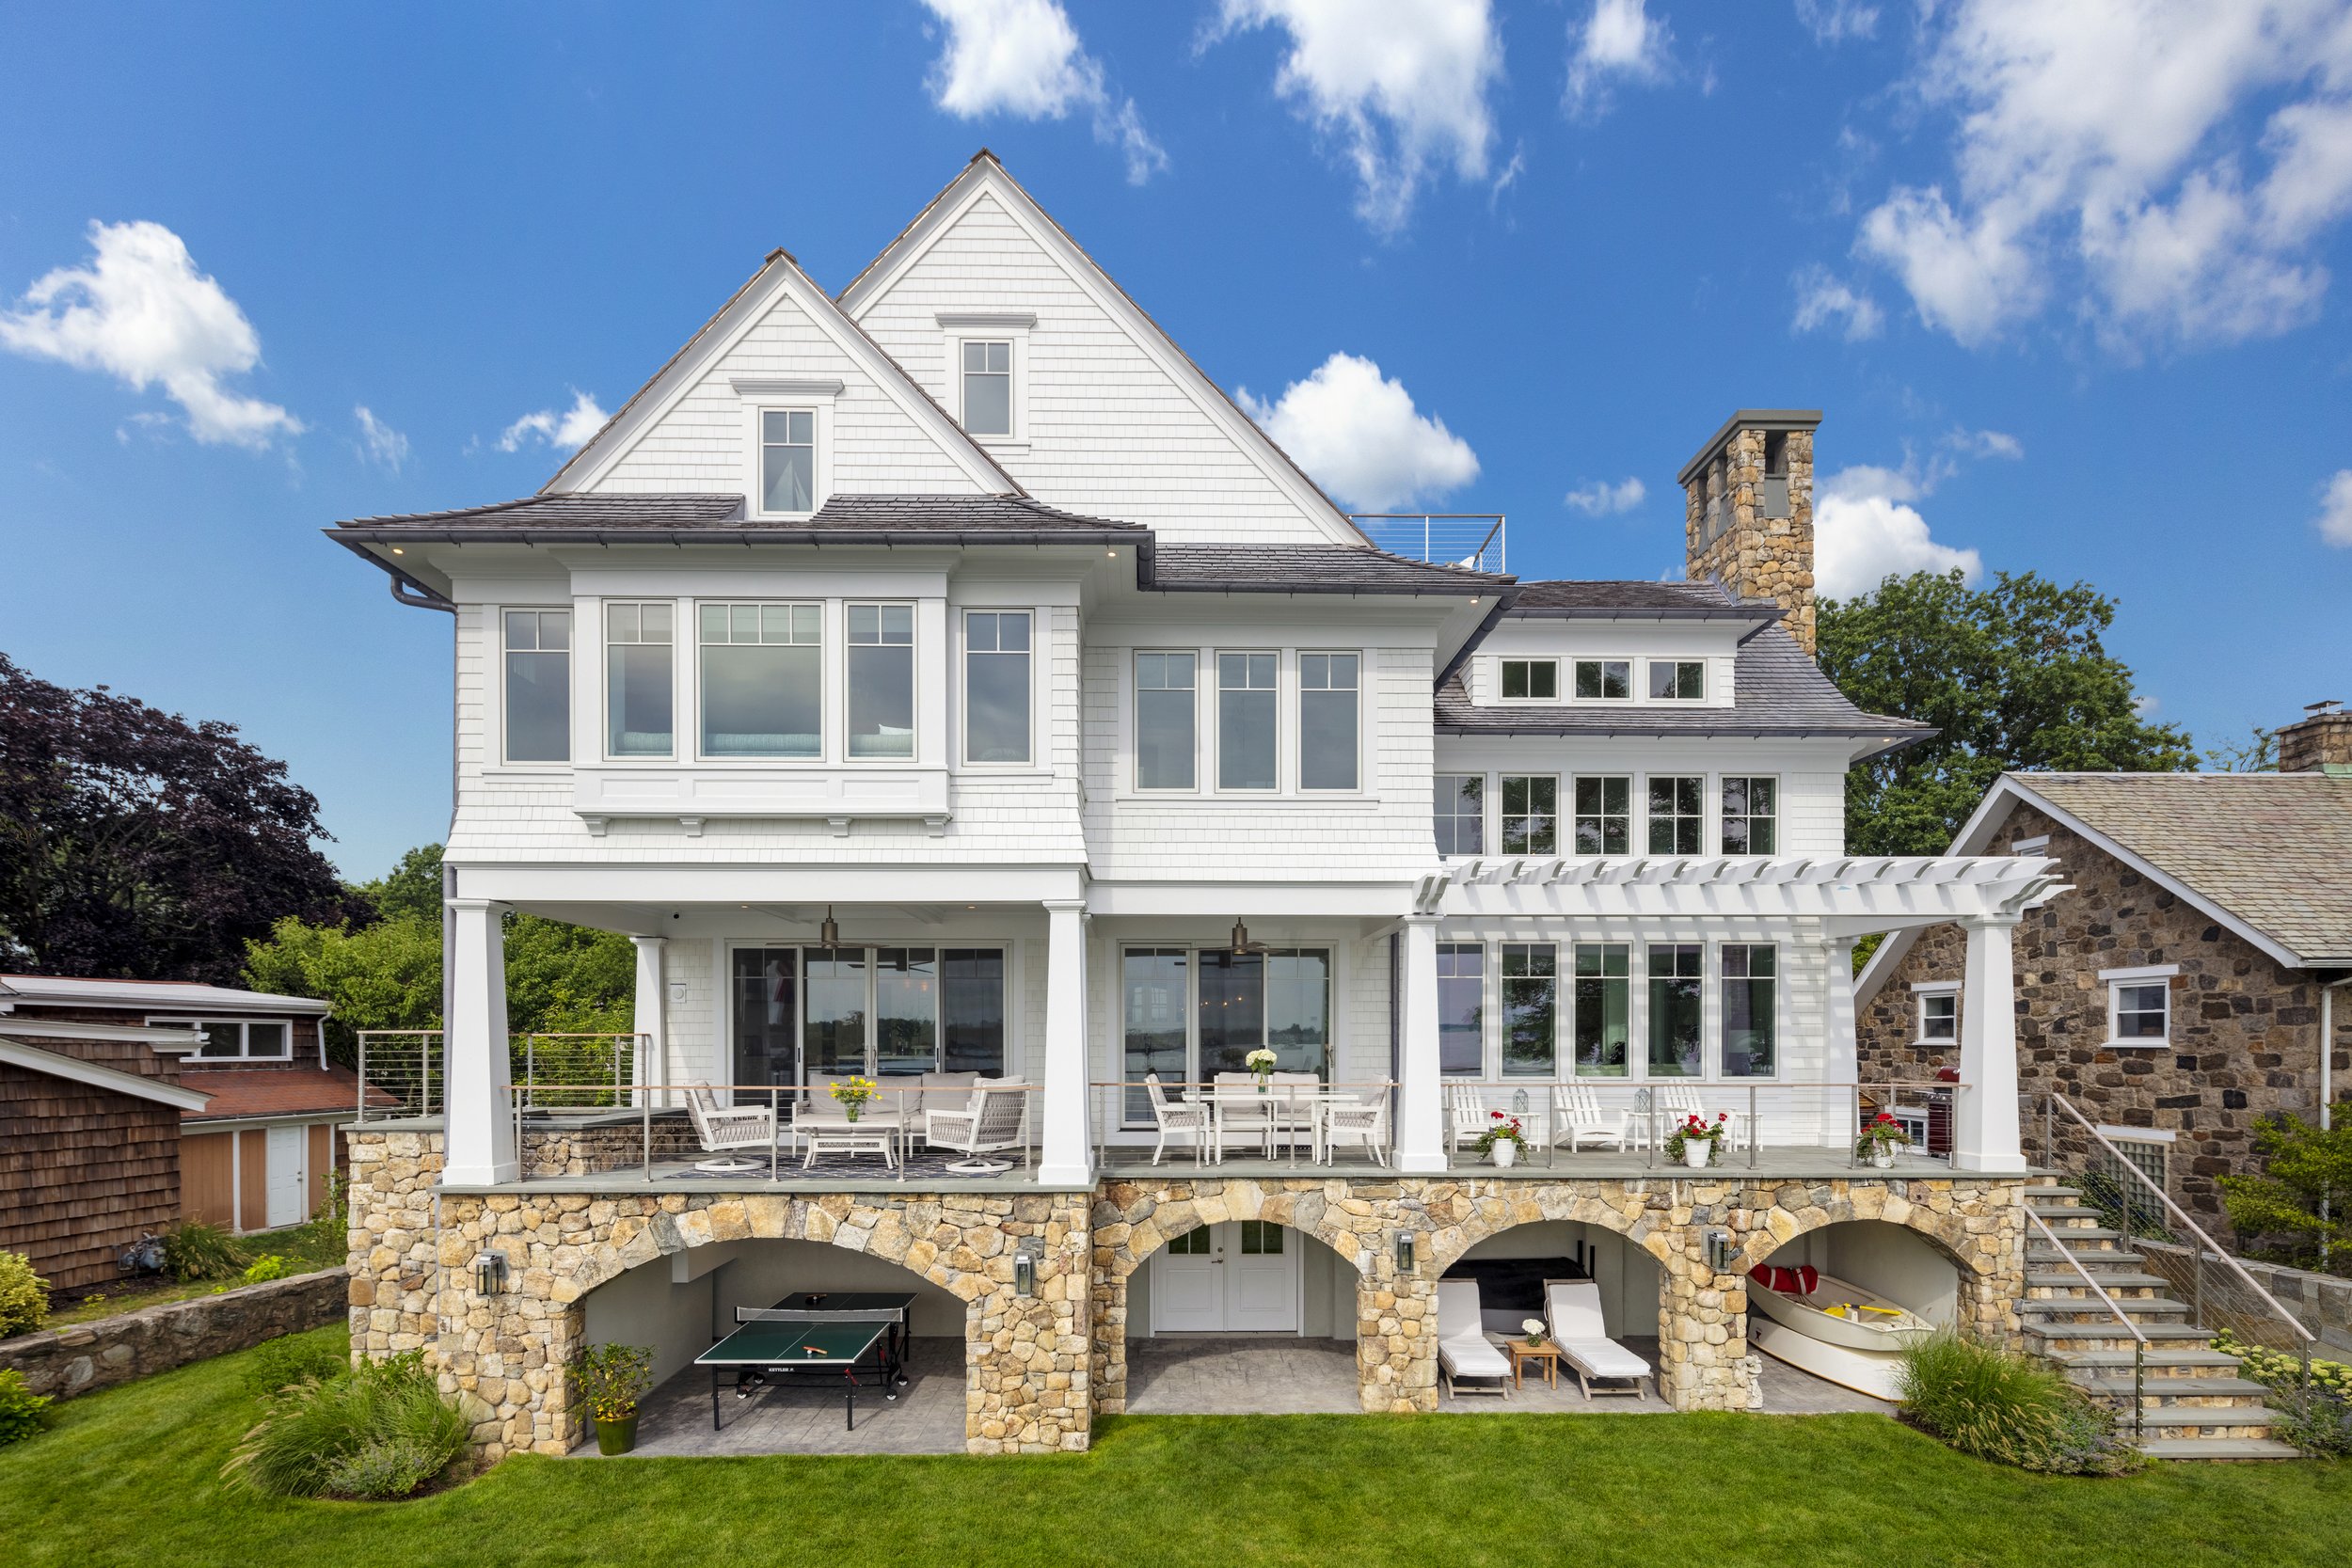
2193, 1403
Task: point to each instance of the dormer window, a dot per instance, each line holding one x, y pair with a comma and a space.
1531, 680
1604, 679
788, 460
1678, 680
987, 387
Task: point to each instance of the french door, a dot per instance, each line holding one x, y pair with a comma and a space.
801, 1012
1240, 1277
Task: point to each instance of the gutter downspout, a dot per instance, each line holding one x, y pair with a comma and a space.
2327, 1090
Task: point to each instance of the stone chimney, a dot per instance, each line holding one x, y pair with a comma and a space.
2319, 741
1748, 510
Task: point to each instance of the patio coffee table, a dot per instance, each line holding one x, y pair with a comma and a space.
1546, 1356
866, 1135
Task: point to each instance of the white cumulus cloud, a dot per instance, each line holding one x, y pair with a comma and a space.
2335, 510
1835, 20
1824, 300
1865, 529
567, 430
379, 443
2106, 158
1599, 498
141, 313
1401, 85
1023, 58
1618, 41
1359, 434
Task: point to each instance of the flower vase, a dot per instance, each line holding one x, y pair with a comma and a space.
1261, 1084
1503, 1152
1695, 1152
851, 1111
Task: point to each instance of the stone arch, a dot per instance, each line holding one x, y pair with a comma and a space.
1983, 1240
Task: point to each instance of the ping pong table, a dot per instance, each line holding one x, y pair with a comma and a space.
832, 1341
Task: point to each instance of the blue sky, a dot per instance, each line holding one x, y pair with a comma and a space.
2060, 275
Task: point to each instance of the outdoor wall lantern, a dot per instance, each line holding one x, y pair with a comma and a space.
1405, 1252
489, 1273
1025, 1273
1719, 1253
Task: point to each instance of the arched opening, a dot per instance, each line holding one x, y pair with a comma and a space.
1588, 1267
1242, 1316
1837, 1305
813, 1383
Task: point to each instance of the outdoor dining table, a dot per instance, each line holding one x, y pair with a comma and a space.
1278, 1103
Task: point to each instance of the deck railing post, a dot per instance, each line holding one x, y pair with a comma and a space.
645, 1114
776, 1120
1752, 1139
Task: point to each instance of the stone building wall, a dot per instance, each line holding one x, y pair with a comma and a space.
1702, 1314
1756, 556
2245, 1040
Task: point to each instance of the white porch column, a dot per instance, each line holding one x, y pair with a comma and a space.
1984, 1130
480, 1125
1066, 1155
1420, 1113
1841, 1041
652, 1014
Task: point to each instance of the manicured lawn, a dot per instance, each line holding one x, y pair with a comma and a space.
132, 1477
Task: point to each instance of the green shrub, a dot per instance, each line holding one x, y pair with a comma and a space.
265, 1268
2315, 1419
2005, 1408
24, 1295
194, 1250
275, 1364
610, 1379
379, 1430
22, 1411
2278, 1370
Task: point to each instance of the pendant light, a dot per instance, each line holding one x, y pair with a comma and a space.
829, 934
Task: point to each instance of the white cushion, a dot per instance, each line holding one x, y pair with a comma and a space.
1474, 1356
1603, 1358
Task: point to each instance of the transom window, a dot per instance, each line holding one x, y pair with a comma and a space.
1531, 680
996, 686
237, 1040
1461, 1008
638, 695
1939, 1015
1165, 719
538, 685
788, 460
1604, 679
762, 680
1678, 815
1530, 814
1749, 973
1751, 816
1604, 815
1327, 721
1603, 1005
1678, 680
1530, 1009
1246, 720
881, 680
988, 388
1461, 813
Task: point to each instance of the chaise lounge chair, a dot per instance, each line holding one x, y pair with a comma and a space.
1463, 1348
1572, 1308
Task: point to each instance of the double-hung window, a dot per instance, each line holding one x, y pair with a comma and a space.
1530, 814
2139, 1004
1678, 680
1531, 680
1461, 813
538, 685
1676, 1043
788, 460
639, 697
1749, 973
881, 680
762, 680
1246, 720
1751, 816
1327, 721
996, 686
1678, 815
1461, 1008
1165, 721
1939, 1012
987, 389
1604, 679
1603, 1005
1604, 815
1530, 1009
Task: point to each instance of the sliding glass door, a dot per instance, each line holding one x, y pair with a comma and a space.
1189, 1014
877, 1011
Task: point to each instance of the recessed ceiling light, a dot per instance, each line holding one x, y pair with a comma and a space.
397, 550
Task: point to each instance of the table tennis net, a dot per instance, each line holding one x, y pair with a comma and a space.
819, 1315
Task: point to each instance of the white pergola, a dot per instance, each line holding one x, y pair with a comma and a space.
1847, 896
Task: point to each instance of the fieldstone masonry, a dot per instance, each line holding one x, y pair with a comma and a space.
82, 1358
1753, 556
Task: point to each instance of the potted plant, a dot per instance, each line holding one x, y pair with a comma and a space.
854, 1093
1502, 1139
1696, 1142
1261, 1065
610, 1379
1880, 1139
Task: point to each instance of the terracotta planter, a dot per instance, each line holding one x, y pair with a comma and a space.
617, 1434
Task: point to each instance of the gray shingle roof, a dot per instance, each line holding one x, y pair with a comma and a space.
1306, 569
1676, 600
2274, 850
578, 517
1775, 690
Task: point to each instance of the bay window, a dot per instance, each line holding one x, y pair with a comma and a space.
1327, 721
881, 680
996, 686
762, 680
538, 685
639, 697
1166, 745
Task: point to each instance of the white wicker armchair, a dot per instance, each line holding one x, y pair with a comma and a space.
726, 1127
1175, 1118
989, 1122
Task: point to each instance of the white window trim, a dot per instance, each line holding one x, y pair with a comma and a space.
1634, 825
815, 397
681, 688
1720, 1023
197, 1022
1485, 806
1921, 990
1015, 1038
1132, 750
692, 751
963, 748
1776, 817
1299, 724
1567, 691
1642, 816
2115, 980
495, 698
1707, 681
1006, 327
1285, 725
914, 757
1559, 693
2029, 845
1563, 798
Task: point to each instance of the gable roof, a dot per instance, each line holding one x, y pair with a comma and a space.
779, 277
73, 1069
985, 175
2268, 856
597, 518
1776, 691
277, 1091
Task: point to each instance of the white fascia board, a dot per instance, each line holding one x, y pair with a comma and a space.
153, 996
1377, 901
985, 177
673, 887
162, 1039
780, 279
31, 1059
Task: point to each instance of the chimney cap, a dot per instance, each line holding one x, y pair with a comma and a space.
2324, 707
1749, 418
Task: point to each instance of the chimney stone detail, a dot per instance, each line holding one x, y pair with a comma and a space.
1748, 512
2319, 742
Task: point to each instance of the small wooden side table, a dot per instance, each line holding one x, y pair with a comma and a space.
1546, 1354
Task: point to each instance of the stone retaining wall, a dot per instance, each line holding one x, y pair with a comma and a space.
2323, 1302
82, 1357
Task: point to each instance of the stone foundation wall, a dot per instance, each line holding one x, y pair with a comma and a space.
81, 1358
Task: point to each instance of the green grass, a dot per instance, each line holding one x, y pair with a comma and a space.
132, 1476
305, 1248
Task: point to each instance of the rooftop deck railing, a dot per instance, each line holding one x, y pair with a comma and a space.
1471, 539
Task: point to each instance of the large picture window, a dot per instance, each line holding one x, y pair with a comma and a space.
1530, 1009
639, 695
881, 680
1246, 722
1165, 713
1327, 721
1604, 815
1675, 1046
1751, 1035
538, 685
1189, 1014
1462, 1008
1461, 814
1603, 1005
996, 686
762, 680
1530, 814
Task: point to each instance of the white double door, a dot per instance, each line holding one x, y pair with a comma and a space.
1241, 1277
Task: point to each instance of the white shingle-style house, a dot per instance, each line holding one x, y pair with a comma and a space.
946, 678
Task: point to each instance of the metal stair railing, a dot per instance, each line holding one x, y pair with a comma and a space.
2139, 1340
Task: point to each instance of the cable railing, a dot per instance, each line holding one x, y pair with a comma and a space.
2139, 1340
1474, 540
401, 1074
2219, 1292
